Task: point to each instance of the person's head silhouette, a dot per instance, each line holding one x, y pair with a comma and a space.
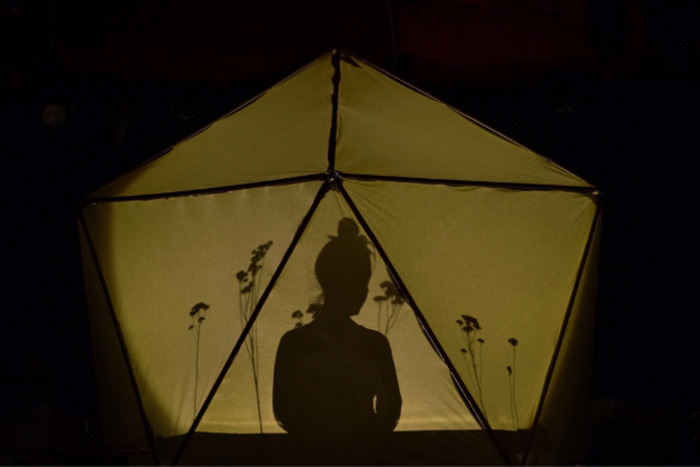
335, 379
343, 269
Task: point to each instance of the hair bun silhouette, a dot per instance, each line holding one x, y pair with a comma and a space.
348, 228
344, 258
349, 236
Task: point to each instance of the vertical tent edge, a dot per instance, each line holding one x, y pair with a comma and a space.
560, 339
120, 336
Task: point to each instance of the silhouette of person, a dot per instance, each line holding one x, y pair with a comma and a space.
334, 379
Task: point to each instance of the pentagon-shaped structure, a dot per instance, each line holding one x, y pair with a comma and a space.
473, 330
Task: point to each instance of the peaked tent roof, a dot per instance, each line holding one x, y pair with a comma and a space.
383, 130
510, 238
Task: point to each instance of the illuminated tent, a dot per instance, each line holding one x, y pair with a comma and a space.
484, 275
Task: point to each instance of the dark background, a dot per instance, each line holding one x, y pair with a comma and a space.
607, 88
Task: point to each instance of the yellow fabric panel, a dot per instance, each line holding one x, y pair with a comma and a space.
162, 257
122, 424
507, 258
430, 400
563, 431
386, 128
282, 134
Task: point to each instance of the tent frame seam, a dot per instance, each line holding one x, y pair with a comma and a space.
474, 183
122, 343
208, 191
434, 342
251, 321
326, 176
466, 116
335, 98
562, 332
228, 113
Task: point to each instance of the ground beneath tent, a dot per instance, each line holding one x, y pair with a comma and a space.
399, 448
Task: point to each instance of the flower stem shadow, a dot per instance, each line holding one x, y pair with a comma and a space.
511, 377
470, 327
197, 313
249, 282
389, 307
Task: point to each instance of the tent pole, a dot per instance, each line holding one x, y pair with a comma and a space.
122, 344
209, 191
208, 125
335, 60
560, 340
251, 321
585, 190
461, 113
462, 389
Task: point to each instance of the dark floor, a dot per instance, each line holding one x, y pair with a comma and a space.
638, 437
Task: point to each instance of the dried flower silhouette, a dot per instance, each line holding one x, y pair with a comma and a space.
197, 313
470, 327
389, 306
313, 310
473, 360
249, 282
299, 316
511, 377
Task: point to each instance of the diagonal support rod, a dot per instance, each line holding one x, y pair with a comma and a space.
251, 321
335, 60
560, 340
462, 389
120, 337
